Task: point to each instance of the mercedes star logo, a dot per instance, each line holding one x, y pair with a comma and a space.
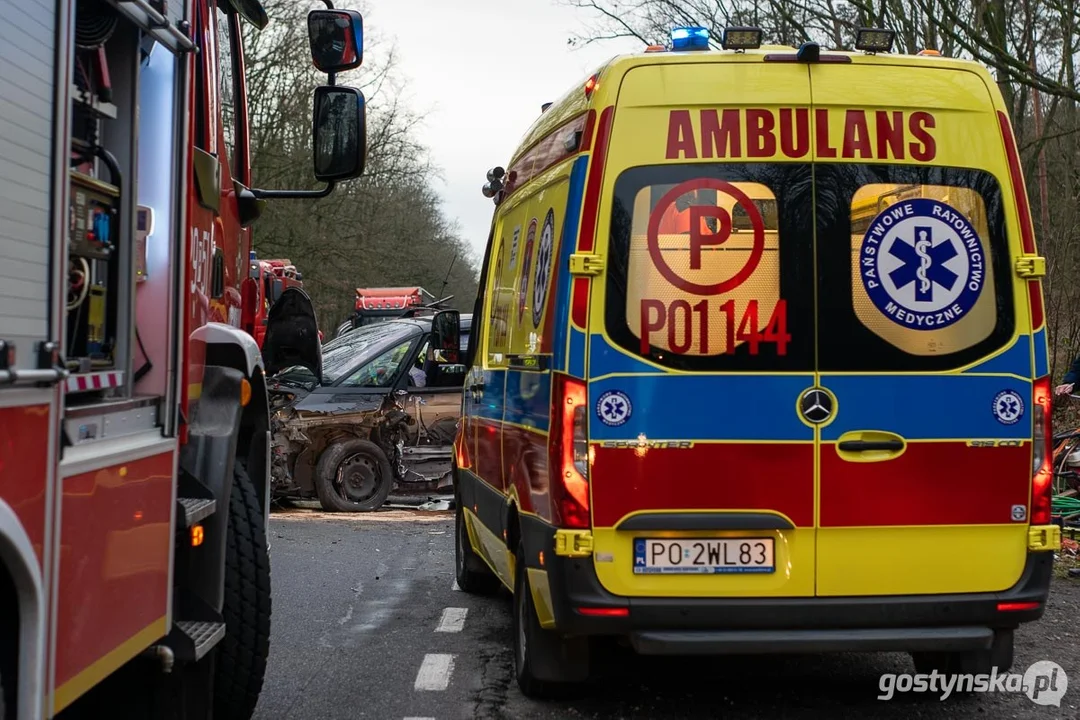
816, 405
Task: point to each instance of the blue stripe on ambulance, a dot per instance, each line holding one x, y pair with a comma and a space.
528, 399
562, 300
926, 407
576, 366
1040, 353
704, 407
491, 406
1016, 360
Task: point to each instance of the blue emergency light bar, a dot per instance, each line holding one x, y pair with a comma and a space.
690, 38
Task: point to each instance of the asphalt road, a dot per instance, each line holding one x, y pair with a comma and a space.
368, 623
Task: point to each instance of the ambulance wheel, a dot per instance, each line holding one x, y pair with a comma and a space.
353, 476
974, 662
473, 574
241, 660
547, 665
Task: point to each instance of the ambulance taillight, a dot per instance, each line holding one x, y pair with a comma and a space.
568, 452
1042, 439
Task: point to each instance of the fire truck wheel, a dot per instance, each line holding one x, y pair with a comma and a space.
241, 661
353, 476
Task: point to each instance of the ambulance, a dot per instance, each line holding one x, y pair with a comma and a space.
760, 364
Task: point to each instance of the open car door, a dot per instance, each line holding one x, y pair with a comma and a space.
292, 335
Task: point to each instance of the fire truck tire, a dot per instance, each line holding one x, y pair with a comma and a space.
241, 661
363, 469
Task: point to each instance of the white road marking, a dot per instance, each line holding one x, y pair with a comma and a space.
434, 672
453, 620
417, 718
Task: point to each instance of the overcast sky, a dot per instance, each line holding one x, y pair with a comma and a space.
482, 68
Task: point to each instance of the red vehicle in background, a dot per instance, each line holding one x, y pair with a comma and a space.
378, 304
134, 419
267, 281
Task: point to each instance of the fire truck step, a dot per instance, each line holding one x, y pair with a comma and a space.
196, 509
203, 636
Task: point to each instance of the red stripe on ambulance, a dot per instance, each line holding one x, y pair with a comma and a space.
708, 476
983, 485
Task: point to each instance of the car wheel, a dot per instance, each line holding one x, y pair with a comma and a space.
353, 476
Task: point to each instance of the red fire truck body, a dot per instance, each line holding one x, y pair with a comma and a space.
134, 439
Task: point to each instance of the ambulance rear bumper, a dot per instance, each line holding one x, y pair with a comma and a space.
582, 606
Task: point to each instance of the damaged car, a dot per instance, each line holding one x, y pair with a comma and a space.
372, 412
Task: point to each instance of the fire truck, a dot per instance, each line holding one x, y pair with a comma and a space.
134, 442
377, 304
266, 283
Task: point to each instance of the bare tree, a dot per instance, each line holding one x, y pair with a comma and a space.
384, 228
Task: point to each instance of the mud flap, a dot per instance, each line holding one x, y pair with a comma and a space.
207, 464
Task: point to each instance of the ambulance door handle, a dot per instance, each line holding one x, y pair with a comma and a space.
869, 445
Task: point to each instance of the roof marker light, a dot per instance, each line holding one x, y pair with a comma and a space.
590, 85
741, 38
874, 40
690, 38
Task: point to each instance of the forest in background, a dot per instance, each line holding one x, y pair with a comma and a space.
1029, 45
386, 228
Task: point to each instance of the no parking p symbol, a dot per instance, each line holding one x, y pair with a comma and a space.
700, 239
698, 236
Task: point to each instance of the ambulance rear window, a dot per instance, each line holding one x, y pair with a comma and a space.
711, 266
914, 267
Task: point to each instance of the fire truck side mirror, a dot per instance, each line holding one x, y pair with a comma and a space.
337, 39
340, 133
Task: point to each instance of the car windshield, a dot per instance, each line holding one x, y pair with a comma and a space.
359, 346
350, 335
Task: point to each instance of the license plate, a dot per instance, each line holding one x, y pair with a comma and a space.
703, 556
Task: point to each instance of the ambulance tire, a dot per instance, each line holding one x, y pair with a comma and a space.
240, 665
327, 468
972, 662
547, 665
473, 574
